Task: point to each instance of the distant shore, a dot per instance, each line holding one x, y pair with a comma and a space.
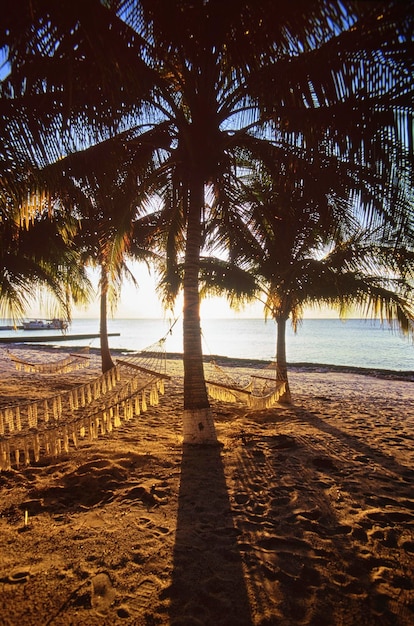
386, 374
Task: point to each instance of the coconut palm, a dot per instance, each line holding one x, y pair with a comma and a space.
329, 80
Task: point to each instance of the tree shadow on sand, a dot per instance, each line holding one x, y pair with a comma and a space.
208, 584
325, 523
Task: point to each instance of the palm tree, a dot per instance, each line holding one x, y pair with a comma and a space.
354, 275
300, 254
106, 187
223, 76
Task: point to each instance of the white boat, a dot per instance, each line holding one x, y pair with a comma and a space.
55, 324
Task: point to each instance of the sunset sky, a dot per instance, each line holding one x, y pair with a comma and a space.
143, 302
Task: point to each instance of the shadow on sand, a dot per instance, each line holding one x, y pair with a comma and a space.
208, 584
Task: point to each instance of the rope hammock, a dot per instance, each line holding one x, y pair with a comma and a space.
257, 392
69, 363
49, 426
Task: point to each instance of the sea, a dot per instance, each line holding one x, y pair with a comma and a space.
352, 343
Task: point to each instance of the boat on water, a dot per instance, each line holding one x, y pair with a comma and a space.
54, 324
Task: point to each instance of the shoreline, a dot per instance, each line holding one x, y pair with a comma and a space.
303, 366
354, 343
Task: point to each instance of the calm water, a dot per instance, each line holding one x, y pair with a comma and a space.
355, 343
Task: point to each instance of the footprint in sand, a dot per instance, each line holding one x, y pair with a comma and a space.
102, 594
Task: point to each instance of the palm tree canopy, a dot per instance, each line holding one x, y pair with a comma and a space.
108, 188
342, 71
329, 83
30, 268
306, 248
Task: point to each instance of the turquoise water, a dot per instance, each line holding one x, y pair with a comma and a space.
355, 343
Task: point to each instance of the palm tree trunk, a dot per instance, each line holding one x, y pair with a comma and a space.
198, 424
106, 359
281, 363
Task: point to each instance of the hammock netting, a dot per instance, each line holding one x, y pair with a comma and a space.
48, 427
69, 363
257, 391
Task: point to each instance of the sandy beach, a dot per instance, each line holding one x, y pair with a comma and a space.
304, 515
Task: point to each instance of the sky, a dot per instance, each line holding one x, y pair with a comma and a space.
143, 302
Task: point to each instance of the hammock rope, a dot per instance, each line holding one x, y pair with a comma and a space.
259, 392
69, 363
49, 426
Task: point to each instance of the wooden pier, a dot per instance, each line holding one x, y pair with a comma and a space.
51, 338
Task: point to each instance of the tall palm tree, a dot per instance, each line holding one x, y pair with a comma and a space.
222, 74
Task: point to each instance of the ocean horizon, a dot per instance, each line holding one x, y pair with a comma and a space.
351, 343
